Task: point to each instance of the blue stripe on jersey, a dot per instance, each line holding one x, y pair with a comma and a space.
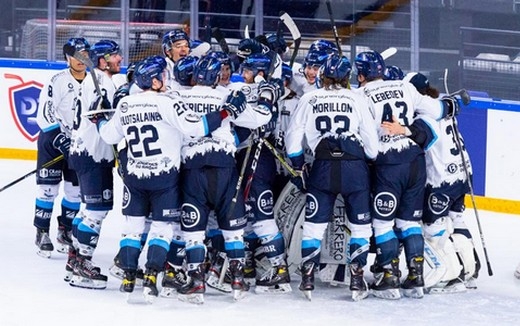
295, 154
385, 237
311, 243
233, 245
159, 242
44, 204
51, 128
214, 232
130, 243
70, 205
359, 241
434, 135
411, 231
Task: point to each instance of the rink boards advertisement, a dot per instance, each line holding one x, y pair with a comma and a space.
490, 128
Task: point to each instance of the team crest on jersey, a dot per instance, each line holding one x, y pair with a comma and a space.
452, 168
438, 203
311, 206
124, 107
385, 203
23, 101
190, 216
126, 197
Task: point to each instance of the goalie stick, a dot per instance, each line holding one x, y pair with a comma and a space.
388, 53
466, 100
295, 34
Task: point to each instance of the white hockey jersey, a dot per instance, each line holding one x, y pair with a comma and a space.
86, 141
400, 99
153, 125
337, 114
205, 99
57, 103
444, 163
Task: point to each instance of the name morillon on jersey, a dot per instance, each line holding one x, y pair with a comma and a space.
386, 95
331, 107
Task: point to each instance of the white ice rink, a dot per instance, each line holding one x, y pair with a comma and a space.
32, 290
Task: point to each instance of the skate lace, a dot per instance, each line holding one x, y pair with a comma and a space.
44, 239
87, 265
269, 274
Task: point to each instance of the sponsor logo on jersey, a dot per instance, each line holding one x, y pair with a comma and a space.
311, 206
126, 197
190, 216
438, 203
265, 202
23, 101
385, 204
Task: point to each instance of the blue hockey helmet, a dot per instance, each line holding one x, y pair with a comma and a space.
287, 73
370, 64
156, 59
324, 45
147, 70
172, 37
183, 70
336, 67
103, 49
256, 62
276, 43
78, 43
207, 71
393, 73
315, 58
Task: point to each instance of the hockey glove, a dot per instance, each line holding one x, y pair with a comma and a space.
271, 90
248, 46
235, 104
62, 143
451, 105
300, 180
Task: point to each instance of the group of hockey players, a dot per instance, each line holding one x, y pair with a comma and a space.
205, 141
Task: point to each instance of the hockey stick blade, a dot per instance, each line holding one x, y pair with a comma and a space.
246, 32
219, 36
464, 96
291, 25
388, 53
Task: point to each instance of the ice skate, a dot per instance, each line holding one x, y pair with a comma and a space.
358, 285
117, 271
386, 283
193, 291
173, 280
275, 280
150, 291
86, 275
216, 280
128, 282
453, 286
413, 285
69, 266
307, 284
44, 243
238, 283
63, 240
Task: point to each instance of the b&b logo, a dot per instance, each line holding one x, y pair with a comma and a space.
23, 100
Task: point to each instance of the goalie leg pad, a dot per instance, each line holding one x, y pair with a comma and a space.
465, 250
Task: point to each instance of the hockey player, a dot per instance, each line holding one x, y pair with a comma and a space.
93, 161
262, 231
55, 118
152, 124
338, 128
208, 169
183, 71
446, 187
399, 177
175, 44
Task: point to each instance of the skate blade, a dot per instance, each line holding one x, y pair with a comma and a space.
307, 294
149, 295
239, 294
275, 289
471, 283
44, 253
193, 298
214, 283
414, 293
116, 272
455, 288
358, 295
62, 248
68, 276
135, 298
389, 294
168, 292
86, 283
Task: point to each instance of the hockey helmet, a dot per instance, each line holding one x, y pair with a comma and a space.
256, 62
103, 49
183, 70
336, 67
393, 73
207, 71
147, 70
78, 43
370, 64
